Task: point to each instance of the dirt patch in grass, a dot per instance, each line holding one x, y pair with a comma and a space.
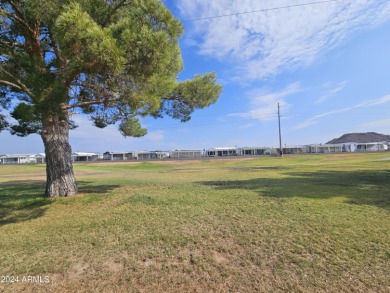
113, 266
77, 271
220, 258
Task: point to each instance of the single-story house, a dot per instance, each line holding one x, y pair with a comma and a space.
152, 155
252, 151
84, 157
40, 158
119, 156
222, 152
18, 159
295, 150
372, 147
177, 154
365, 147
325, 148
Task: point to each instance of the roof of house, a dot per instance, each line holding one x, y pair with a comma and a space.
18, 156
223, 149
255, 148
83, 154
153, 152
187, 151
117, 153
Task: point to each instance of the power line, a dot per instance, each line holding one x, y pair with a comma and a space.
260, 10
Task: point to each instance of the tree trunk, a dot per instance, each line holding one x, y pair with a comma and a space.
59, 170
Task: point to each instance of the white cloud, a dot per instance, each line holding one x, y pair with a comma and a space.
331, 92
372, 103
264, 105
365, 104
307, 123
263, 44
245, 126
382, 123
155, 135
380, 126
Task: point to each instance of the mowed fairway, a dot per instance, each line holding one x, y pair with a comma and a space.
294, 224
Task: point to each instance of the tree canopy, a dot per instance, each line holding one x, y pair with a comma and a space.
112, 60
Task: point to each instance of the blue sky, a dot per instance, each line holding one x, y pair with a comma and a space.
327, 64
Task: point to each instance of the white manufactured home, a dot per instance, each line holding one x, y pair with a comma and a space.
296, 150
186, 154
41, 158
254, 151
153, 155
84, 157
222, 152
365, 147
372, 147
18, 159
325, 148
119, 156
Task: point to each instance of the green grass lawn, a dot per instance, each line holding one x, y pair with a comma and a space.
294, 224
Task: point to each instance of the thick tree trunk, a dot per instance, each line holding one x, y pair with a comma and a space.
59, 169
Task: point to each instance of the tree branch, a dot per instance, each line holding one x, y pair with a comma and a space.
114, 10
85, 85
17, 19
91, 102
15, 7
5, 82
13, 44
18, 83
172, 98
120, 4
57, 51
31, 31
4, 32
20, 14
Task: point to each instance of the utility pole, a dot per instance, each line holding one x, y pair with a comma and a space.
280, 135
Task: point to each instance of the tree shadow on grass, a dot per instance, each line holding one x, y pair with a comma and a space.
24, 200
90, 187
359, 187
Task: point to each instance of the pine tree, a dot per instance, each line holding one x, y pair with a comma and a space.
114, 60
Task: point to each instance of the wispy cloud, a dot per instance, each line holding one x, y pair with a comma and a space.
264, 105
365, 104
155, 135
382, 123
331, 92
245, 126
375, 102
263, 44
